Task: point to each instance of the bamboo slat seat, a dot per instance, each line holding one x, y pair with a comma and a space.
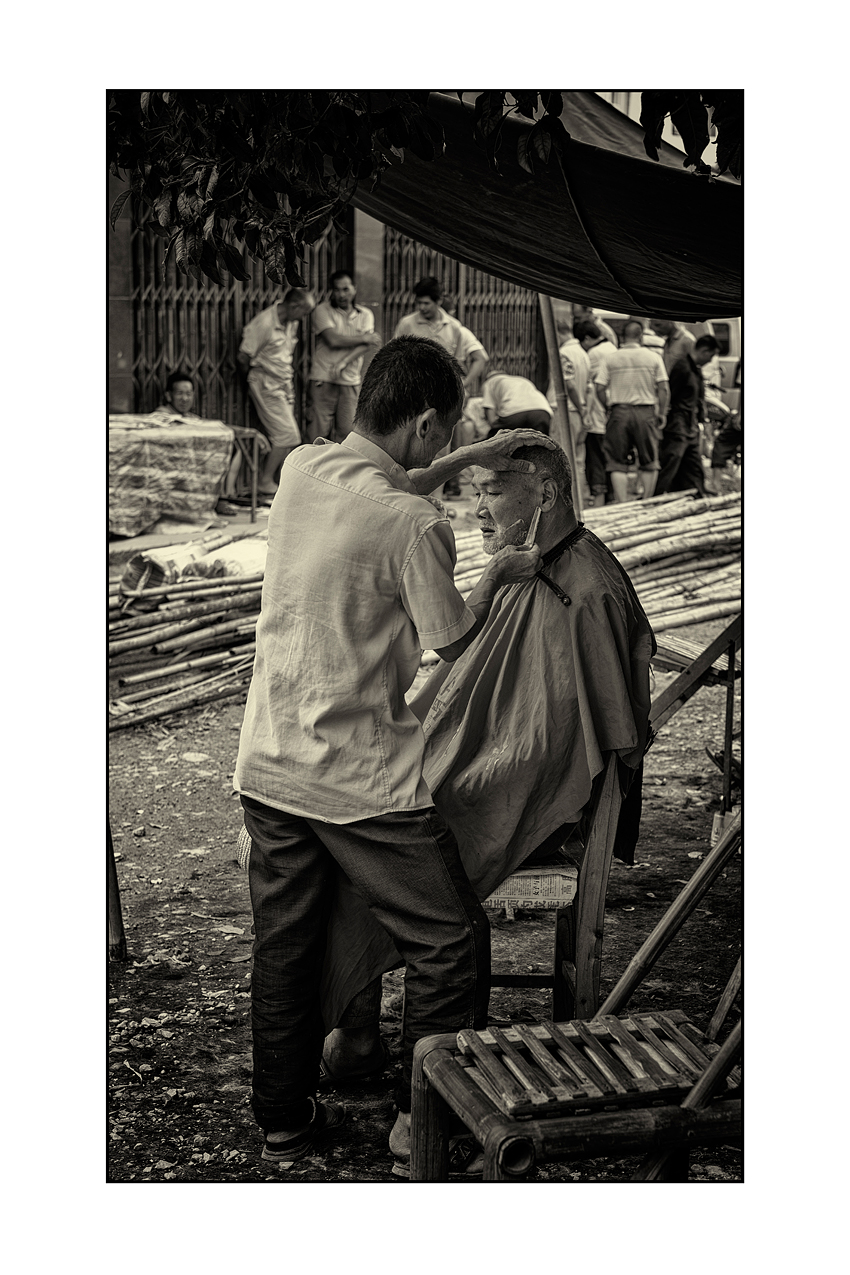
548, 1091
579, 923
566, 1090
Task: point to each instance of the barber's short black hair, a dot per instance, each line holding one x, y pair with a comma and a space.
707, 342
430, 286
175, 378
408, 375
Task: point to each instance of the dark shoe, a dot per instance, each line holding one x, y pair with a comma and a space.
294, 1146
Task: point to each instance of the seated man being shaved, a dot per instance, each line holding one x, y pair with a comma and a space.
516, 729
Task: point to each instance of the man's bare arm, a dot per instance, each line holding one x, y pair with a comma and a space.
477, 362
491, 453
338, 341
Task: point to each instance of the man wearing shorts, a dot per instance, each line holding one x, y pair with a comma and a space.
632, 386
265, 356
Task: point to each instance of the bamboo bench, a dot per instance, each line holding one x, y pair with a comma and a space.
568, 1090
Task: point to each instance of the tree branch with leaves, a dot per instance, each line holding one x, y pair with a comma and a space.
269, 170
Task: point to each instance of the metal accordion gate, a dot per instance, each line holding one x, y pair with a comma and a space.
504, 317
195, 326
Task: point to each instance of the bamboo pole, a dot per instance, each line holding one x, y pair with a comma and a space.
199, 661
676, 544
196, 585
214, 606
116, 938
138, 719
194, 637
562, 416
698, 615
673, 919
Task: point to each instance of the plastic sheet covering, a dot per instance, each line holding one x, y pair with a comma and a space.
610, 229
164, 470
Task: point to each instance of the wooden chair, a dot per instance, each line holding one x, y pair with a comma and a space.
610, 1086
579, 924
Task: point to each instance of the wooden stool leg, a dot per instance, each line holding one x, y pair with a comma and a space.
590, 899
429, 1125
563, 979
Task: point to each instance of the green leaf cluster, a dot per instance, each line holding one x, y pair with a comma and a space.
268, 170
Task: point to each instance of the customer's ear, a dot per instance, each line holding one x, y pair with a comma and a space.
550, 494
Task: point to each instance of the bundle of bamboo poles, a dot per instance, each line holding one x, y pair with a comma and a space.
177, 646
683, 555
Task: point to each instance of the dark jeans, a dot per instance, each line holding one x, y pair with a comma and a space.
681, 464
594, 464
408, 869
726, 445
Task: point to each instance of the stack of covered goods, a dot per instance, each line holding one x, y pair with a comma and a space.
164, 470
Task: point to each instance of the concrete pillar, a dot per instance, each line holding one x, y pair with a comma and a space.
120, 343
369, 271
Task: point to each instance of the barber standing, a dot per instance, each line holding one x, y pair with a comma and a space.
359, 578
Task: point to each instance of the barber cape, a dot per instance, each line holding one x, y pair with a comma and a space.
515, 733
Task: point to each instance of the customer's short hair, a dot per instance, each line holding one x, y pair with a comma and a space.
175, 378
408, 375
707, 342
551, 462
430, 286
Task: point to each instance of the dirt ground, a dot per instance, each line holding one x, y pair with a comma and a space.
179, 1045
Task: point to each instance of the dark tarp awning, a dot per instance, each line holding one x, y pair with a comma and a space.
617, 232
589, 118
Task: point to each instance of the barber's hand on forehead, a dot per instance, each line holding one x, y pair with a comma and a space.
497, 452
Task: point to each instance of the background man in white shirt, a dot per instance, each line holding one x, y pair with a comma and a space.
344, 331
430, 320
265, 357
632, 386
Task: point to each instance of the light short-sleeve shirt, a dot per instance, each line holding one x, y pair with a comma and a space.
631, 374
354, 322
451, 335
596, 355
270, 345
679, 343
506, 395
358, 580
